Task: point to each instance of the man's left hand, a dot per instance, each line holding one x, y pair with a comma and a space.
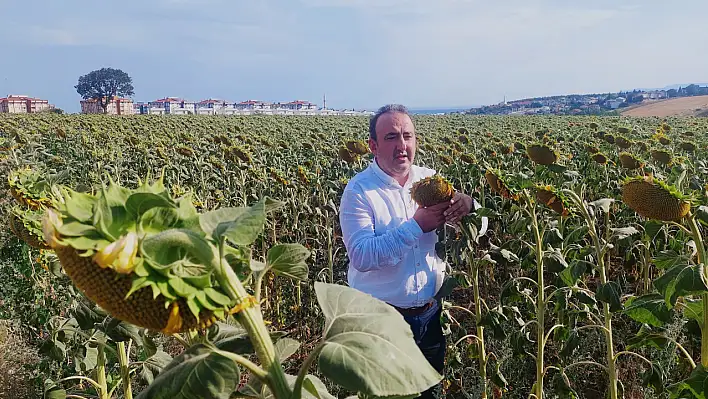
460, 205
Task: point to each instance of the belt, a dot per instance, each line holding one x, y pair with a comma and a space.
415, 311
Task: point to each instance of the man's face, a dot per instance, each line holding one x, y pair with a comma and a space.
395, 144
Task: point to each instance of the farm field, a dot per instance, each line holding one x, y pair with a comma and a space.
685, 106
590, 281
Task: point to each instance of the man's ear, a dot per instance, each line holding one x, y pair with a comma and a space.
372, 145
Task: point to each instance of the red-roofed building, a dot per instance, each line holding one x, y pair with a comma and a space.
299, 104
18, 104
117, 106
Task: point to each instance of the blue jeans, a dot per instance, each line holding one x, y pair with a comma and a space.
429, 337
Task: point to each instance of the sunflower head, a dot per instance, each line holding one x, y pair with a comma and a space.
432, 191
654, 199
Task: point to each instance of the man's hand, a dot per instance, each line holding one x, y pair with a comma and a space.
460, 205
432, 217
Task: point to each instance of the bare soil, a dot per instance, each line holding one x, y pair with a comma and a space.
684, 106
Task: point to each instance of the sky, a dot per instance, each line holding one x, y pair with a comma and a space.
360, 53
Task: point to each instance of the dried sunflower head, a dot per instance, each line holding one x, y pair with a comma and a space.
432, 191
599, 158
357, 147
654, 199
542, 154
629, 161
662, 156
498, 184
553, 199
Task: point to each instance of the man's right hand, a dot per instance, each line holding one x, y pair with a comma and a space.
432, 217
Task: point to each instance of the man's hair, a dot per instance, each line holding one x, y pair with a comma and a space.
386, 108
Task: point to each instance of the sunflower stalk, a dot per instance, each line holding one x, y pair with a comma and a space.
101, 373
600, 255
541, 300
124, 370
701, 250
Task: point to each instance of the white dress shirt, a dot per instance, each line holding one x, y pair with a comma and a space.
390, 257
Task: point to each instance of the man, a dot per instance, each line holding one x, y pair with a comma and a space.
390, 241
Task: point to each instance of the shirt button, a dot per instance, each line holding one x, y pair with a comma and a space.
417, 264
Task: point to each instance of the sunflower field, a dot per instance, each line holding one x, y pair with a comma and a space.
201, 256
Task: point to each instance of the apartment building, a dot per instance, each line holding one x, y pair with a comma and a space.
172, 106
118, 106
21, 104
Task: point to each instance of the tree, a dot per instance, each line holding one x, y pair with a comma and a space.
104, 85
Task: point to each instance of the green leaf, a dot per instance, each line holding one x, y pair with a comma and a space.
201, 371
244, 229
76, 229
288, 260
623, 232
170, 251
286, 347
87, 317
156, 220
181, 287
520, 343
498, 378
235, 339
702, 214
89, 359
495, 319
561, 384
571, 344
486, 212
240, 225
696, 384
693, 310
153, 366
603, 204
217, 297
669, 259
209, 221
138, 203
647, 339
610, 293
680, 280
110, 216
448, 285
120, 331
554, 261
652, 228
53, 391
574, 272
315, 387
576, 235
80, 206
654, 377
368, 346
649, 309
54, 349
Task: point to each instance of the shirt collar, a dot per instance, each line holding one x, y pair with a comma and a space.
386, 178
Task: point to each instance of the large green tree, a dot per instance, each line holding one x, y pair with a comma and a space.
104, 85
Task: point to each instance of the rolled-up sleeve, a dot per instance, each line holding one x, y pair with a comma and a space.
366, 250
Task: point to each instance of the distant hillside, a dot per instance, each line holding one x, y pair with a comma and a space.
684, 106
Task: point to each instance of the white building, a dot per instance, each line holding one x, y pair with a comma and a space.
117, 106
299, 104
172, 106
216, 107
20, 104
614, 104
